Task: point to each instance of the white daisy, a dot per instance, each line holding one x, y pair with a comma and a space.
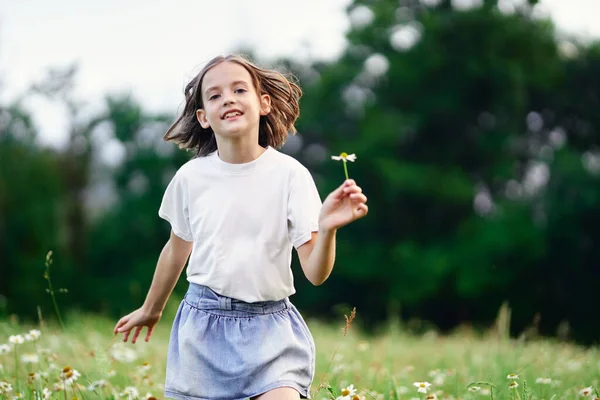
422, 386
344, 157
16, 339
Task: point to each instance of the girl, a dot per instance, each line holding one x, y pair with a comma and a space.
239, 207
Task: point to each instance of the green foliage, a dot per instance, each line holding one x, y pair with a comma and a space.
477, 147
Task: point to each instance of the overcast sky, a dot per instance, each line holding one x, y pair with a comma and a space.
153, 47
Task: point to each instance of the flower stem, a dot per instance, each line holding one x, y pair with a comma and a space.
346, 169
51, 289
17, 369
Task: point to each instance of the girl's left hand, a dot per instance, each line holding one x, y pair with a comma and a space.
344, 205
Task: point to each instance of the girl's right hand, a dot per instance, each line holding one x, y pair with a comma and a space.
137, 319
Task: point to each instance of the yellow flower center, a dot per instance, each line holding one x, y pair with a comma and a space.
344, 155
345, 392
422, 385
66, 369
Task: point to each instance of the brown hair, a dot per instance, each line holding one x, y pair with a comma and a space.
273, 127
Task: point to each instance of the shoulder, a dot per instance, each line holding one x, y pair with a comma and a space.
192, 167
287, 163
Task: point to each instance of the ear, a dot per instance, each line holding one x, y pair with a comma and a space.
265, 104
201, 116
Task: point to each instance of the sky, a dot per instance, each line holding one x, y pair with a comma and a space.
151, 48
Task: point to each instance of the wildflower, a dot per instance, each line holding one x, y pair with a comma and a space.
358, 397
32, 335
4, 349
16, 339
149, 396
145, 367
348, 391
345, 157
30, 358
131, 393
97, 384
474, 389
586, 391
5, 388
33, 377
431, 397
513, 385
69, 375
543, 381
512, 376
123, 354
46, 393
422, 386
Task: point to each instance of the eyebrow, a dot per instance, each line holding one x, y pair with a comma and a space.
232, 84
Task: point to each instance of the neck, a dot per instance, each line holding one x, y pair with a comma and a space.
238, 151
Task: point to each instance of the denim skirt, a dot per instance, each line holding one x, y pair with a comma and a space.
223, 348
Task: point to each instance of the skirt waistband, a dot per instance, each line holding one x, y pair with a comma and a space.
204, 298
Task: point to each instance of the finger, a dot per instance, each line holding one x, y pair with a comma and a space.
150, 329
362, 209
361, 198
126, 335
136, 334
349, 182
352, 189
120, 323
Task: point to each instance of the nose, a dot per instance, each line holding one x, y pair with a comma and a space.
227, 98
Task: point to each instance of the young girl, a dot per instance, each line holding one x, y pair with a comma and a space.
239, 207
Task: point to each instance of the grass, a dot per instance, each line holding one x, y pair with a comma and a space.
463, 365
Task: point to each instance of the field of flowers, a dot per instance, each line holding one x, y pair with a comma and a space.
85, 361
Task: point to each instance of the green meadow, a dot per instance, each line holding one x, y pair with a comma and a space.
86, 361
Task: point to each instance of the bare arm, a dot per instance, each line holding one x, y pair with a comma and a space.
317, 256
171, 261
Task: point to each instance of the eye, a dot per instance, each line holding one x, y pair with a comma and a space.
213, 97
240, 90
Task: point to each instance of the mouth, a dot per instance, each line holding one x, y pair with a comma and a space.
231, 114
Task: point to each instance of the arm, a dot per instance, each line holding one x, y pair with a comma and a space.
171, 261
344, 205
317, 256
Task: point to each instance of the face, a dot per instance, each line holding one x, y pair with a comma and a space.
232, 107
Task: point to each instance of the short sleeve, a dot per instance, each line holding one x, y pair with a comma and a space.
304, 206
174, 207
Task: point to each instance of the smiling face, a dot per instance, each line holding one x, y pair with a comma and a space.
230, 104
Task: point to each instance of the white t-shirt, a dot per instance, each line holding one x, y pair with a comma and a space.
243, 220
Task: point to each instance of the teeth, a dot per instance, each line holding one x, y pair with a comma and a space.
232, 114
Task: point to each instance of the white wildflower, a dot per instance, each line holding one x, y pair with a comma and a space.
30, 358
513, 385
586, 391
123, 354
474, 389
347, 393
5, 388
16, 339
344, 157
512, 376
69, 375
422, 386
131, 393
4, 349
